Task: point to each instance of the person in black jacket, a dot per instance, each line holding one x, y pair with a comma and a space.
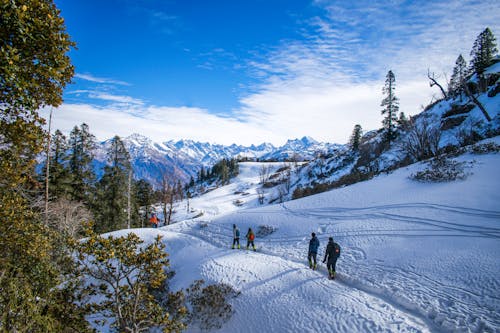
313, 251
332, 253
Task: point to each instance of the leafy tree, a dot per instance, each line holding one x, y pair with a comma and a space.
458, 77
124, 276
82, 145
483, 51
356, 137
391, 107
34, 69
113, 187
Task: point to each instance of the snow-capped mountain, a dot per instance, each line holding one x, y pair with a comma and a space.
184, 158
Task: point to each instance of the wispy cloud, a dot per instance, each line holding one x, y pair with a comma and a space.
126, 100
91, 78
331, 80
320, 85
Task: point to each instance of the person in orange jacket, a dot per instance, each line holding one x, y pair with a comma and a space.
154, 220
250, 237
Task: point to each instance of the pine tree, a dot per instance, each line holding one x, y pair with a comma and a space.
82, 146
458, 77
144, 196
483, 51
391, 107
34, 69
59, 175
355, 137
113, 187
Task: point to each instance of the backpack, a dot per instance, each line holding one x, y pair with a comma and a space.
251, 236
337, 249
237, 232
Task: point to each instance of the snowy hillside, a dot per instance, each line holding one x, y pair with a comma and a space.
450, 122
416, 257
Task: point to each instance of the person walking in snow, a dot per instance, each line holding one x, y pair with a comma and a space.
154, 220
236, 236
313, 251
250, 237
332, 253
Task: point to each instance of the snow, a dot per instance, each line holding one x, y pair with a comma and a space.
416, 257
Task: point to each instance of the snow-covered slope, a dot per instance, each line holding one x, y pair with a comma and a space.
416, 257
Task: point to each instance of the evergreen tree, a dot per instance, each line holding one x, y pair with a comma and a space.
113, 187
82, 146
59, 175
483, 51
34, 69
391, 107
355, 137
458, 77
144, 196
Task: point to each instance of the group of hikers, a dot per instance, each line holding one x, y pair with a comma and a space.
250, 236
332, 251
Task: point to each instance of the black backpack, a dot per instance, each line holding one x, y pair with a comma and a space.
337, 249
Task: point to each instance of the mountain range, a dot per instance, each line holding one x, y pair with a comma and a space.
183, 159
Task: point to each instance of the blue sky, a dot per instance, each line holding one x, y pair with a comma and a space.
257, 71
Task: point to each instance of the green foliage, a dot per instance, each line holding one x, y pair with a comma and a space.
391, 107
81, 145
483, 51
34, 69
209, 305
458, 77
122, 274
355, 137
112, 189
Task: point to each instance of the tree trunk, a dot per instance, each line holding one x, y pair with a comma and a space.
477, 102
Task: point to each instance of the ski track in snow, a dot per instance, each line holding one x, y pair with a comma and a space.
405, 291
427, 305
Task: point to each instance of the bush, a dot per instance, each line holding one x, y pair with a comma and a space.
209, 306
442, 169
485, 148
264, 230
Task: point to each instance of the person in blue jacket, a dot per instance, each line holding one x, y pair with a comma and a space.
313, 251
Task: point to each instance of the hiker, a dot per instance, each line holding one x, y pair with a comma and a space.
332, 253
236, 236
313, 251
153, 220
250, 237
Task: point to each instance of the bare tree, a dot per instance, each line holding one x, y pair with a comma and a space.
433, 82
264, 173
261, 193
68, 216
477, 102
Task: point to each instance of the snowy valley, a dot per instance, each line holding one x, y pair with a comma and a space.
417, 257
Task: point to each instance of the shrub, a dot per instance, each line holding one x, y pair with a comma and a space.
442, 169
485, 148
209, 305
122, 274
264, 230
422, 140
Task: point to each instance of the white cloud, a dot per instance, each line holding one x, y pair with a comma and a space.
91, 78
320, 86
159, 124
